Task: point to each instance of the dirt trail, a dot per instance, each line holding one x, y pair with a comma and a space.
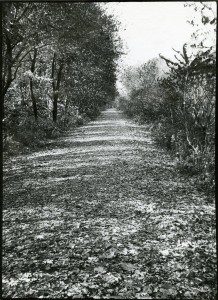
103, 213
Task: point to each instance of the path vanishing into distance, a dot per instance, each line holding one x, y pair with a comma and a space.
103, 212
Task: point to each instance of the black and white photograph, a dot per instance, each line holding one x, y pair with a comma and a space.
108, 149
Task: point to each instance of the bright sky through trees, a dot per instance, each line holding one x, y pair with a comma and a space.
150, 28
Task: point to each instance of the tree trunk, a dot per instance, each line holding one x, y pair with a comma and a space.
35, 111
55, 107
56, 87
55, 100
33, 98
7, 76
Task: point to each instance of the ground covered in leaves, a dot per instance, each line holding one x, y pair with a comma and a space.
103, 213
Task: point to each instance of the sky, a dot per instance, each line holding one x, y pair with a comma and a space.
151, 28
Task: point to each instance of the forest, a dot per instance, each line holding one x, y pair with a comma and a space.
107, 194
58, 75
178, 98
59, 65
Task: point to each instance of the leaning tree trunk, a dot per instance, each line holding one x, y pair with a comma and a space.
33, 98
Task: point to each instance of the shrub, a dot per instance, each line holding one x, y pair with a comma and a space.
181, 107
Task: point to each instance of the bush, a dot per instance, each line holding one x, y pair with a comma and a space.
163, 134
22, 132
181, 107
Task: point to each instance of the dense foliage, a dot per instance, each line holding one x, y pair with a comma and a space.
181, 103
59, 63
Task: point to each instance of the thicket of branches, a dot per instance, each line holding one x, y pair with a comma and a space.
180, 103
59, 63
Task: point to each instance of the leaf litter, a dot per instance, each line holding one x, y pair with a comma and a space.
132, 228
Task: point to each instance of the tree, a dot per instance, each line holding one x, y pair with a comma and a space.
59, 61
204, 25
143, 91
20, 34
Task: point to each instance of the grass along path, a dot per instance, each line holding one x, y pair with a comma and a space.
103, 214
